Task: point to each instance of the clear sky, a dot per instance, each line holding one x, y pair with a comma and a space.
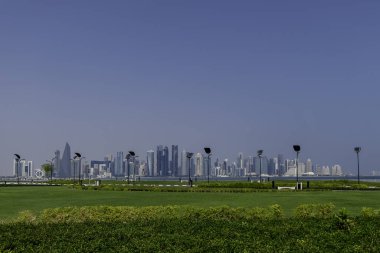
110, 76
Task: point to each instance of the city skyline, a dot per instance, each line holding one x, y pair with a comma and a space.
236, 76
160, 163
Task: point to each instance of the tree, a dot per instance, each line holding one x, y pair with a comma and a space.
48, 169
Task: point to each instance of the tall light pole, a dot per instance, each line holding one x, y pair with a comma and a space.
297, 149
357, 150
208, 152
78, 155
189, 155
17, 158
74, 162
259, 154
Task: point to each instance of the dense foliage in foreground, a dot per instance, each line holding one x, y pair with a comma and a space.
187, 229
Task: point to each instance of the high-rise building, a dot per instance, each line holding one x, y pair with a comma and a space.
336, 170
166, 162
57, 163
264, 164
240, 161
163, 160
325, 171
65, 170
281, 165
199, 165
16, 168
184, 164
159, 160
250, 165
309, 166
174, 163
119, 164
272, 166
151, 170
30, 169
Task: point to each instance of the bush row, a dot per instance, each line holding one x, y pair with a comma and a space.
195, 234
124, 213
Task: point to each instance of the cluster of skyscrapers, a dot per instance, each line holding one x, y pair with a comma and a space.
165, 162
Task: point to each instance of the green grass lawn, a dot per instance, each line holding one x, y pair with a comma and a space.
16, 199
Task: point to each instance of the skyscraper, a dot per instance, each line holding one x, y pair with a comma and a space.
240, 160
174, 163
166, 171
199, 165
16, 168
30, 169
163, 160
151, 170
65, 168
184, 164
272, 166
57, 163
281, 165
309, 166
119, 164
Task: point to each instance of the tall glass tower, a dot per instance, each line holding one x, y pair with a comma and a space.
174, 168
65, 170
150, 163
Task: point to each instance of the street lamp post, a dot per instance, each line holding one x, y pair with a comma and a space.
297, 149
208, 152
259, 154
74, 162
357, 150
78, 155
189, 155
17, 158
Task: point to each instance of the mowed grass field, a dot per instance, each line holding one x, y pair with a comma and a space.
36, 198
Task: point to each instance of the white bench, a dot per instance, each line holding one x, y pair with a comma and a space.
286, 188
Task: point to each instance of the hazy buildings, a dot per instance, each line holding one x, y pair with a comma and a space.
160, 163
23, 168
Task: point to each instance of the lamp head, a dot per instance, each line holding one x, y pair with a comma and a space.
208, 150
132, 153
357, 149
17, 156
297, 148
78, 155
260, 152
189, 155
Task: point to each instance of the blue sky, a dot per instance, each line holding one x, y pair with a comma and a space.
239, 76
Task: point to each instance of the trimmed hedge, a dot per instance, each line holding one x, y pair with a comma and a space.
178, 229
